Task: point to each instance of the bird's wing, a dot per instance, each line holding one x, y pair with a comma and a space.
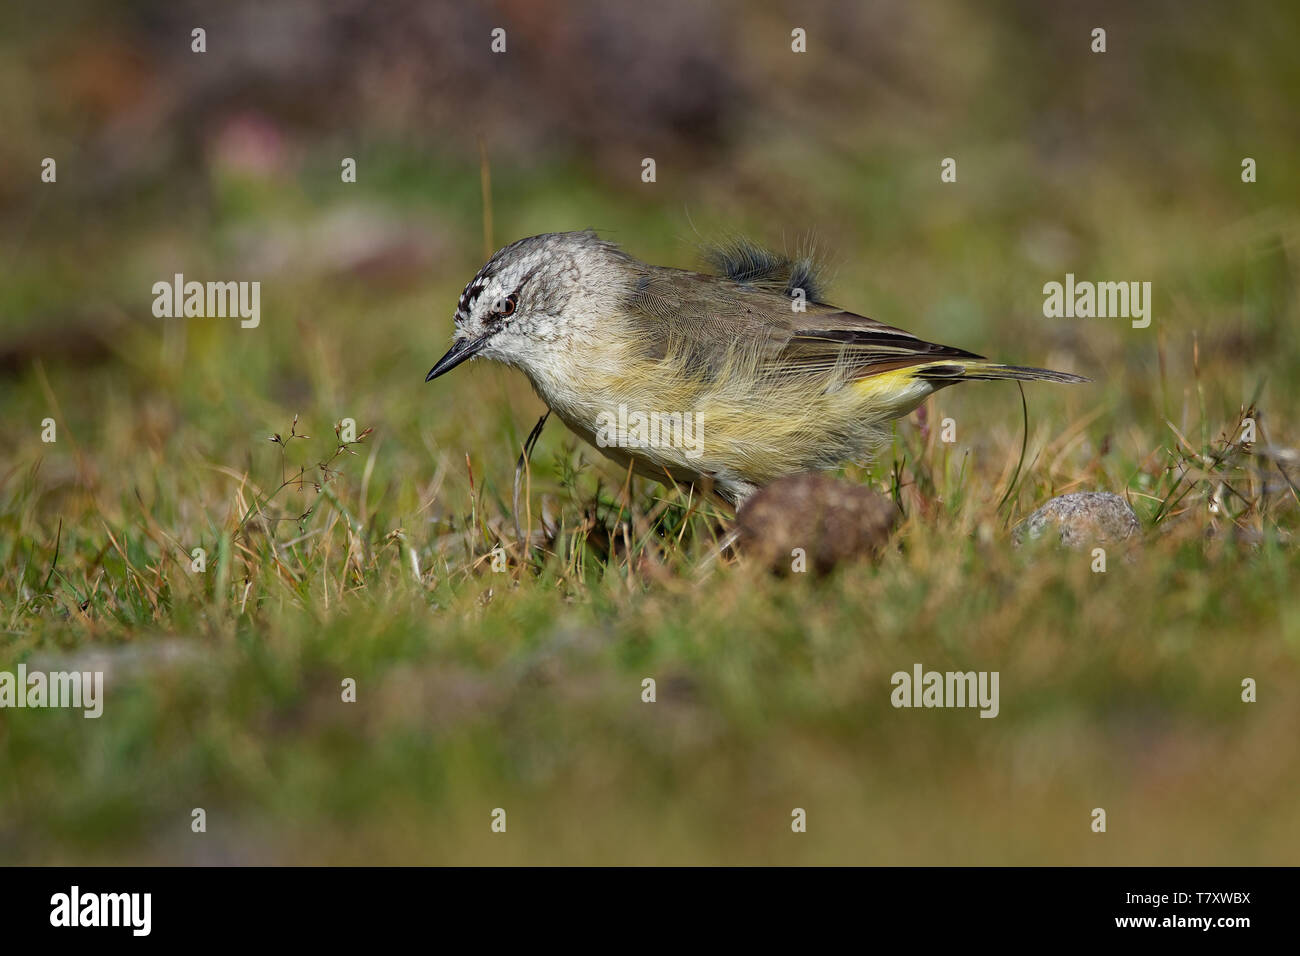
708, 322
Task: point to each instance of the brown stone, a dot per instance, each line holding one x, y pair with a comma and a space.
833, 522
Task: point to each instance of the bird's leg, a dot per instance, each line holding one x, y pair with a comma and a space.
524, 460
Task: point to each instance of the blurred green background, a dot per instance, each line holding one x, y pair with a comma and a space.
522, 689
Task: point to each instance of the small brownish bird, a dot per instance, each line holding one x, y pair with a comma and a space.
737, 376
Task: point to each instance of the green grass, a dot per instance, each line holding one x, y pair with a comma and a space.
521, 688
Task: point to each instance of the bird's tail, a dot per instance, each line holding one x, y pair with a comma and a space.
946, 373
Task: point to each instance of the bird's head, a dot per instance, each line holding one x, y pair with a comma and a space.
532, 293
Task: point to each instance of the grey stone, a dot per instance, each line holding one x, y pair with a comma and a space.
1085, 517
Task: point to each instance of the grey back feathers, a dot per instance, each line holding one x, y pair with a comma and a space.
745, 313
576, 289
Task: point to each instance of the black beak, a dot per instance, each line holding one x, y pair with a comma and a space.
459, 352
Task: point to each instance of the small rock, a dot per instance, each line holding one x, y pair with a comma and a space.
832, 521
1081, 518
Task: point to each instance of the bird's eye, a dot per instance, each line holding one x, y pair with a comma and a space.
503, 307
